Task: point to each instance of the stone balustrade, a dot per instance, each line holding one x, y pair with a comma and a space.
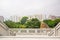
26, 31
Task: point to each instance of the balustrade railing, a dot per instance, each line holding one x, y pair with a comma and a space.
43, 31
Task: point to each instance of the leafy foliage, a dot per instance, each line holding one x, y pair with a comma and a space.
57, 21
11, 24
23, 20
52, 23
24, 23
33, 23
22, 26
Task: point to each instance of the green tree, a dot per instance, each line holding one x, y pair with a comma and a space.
11, 24
50, 23
33, 23
23, 20
57, 21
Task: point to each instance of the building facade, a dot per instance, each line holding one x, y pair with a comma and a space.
53, 17
15, 18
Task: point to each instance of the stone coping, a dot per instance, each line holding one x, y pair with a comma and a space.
29, 36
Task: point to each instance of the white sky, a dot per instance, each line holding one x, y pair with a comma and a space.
29, 7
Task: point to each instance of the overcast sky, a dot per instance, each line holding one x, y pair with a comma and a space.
29, 7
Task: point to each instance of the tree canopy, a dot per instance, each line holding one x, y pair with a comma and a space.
23, 20
52, 23
33, 23
24, 23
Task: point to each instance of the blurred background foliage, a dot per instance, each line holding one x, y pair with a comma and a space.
31, 23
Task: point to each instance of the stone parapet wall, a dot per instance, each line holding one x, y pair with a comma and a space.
28, 31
